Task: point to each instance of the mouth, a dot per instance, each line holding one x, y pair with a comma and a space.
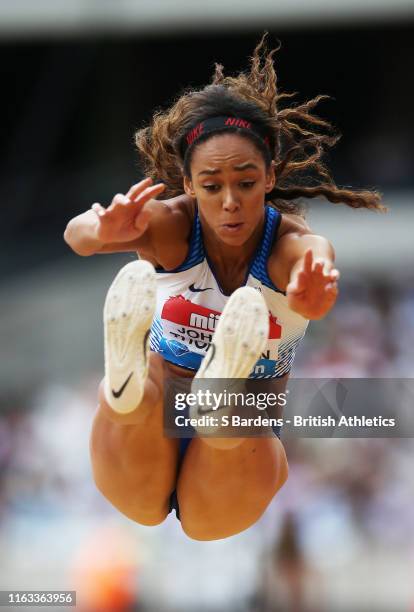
232, 227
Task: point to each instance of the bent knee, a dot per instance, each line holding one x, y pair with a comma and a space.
149, 511
216, 527
204, 533
147, 505
148, 519
215, 519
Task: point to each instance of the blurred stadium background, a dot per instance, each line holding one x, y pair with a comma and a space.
78, 77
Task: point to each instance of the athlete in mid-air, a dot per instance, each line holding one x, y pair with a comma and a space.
229, 275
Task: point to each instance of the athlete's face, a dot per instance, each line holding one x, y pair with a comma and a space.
229, 180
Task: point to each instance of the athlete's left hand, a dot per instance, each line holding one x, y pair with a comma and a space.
313, 289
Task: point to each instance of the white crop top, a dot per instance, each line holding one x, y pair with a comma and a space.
190, 301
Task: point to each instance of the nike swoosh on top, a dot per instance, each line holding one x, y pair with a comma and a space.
197, 289
120, 391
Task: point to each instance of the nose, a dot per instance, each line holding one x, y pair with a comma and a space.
230, 201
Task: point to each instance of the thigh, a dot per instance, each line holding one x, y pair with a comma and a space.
223, 492
135, 465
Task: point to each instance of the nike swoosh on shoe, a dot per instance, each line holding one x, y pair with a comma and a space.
117, 394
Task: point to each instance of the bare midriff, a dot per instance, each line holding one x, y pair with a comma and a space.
177, 371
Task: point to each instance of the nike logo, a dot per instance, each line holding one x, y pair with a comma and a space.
117, 394
120, 391
197, 289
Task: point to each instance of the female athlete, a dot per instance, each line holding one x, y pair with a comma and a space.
228, 268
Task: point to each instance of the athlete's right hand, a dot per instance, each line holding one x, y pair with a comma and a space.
126, 218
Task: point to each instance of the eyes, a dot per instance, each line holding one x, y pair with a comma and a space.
213, 187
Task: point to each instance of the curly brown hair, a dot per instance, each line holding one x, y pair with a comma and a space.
299, 138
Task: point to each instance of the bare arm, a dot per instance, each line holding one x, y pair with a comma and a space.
82, 232
122, 223
133, 222
308, 274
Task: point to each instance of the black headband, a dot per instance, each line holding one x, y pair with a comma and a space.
214, 124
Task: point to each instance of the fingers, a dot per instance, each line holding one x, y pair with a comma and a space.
100, 210
322, 268
331, 292
298, 285
319, 268
307, 261
138, 187
334, 274
301, 281
140, 193
143, 189
118, 200
329, 278
121, 199
315, 281
148, 193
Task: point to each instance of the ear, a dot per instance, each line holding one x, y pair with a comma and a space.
270, 178
188, 187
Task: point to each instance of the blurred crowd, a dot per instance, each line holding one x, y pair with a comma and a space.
339, 536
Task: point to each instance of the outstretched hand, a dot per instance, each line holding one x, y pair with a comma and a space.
313, 290
126, 218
